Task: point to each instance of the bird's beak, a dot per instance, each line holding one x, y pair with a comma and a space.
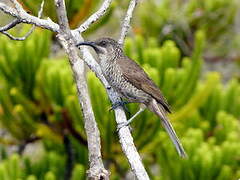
88, 43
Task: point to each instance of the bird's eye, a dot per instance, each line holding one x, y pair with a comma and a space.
103, 43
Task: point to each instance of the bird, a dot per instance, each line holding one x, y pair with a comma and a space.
127, 78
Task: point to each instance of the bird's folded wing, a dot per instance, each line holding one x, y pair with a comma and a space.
135, 75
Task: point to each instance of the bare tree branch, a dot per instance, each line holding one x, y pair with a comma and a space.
16, 21
126, 21
8, 10
10, 25
13, 37
93, 18
41, 9
17, 6
24, 17
97, 170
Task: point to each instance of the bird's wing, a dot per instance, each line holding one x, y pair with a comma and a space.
135, 75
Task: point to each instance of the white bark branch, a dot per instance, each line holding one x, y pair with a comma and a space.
17, 6
17, 21
126, 21
24, 17
10, 25
93, 18
68, 40
96, 170
17, 38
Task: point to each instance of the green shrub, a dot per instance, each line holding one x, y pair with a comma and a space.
180, 20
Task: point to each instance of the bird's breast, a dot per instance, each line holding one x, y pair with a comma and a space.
115, 78
112, 73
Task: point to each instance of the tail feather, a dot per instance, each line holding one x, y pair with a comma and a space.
154, 106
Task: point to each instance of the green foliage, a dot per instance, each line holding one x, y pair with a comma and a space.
10, 168
19, 72
179, 21
207, 156
19, 69
48, 167
78, 172
38, 100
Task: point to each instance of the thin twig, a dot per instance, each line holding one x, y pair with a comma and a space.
24, 17
126, 21
8, 10
10, 25
94, 17
29, 32
17, 6
13, 37
41, 10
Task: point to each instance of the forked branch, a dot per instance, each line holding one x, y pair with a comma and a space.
12, 24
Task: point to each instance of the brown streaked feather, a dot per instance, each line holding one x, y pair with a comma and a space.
135, 75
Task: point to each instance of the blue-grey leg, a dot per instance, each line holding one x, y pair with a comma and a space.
123, 104
119, 103
141, 109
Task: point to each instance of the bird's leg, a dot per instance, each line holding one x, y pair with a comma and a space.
141, 109
120, 103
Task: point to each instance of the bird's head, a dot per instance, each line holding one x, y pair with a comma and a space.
104, 47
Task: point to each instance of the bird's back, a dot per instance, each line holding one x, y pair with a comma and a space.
135, 75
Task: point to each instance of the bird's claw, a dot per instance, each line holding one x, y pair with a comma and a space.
123, 124
120, 103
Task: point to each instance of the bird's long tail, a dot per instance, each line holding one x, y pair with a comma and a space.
155, 107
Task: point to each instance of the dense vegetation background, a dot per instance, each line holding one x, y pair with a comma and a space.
177, 42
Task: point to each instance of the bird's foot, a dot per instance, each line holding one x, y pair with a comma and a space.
124, 124
127, 123
120, 103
